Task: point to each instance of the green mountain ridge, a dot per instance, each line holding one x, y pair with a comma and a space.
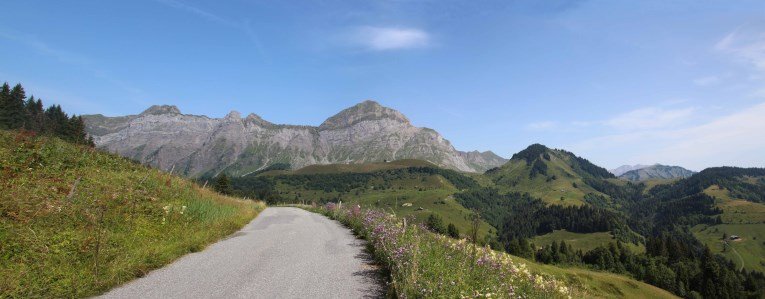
553, 175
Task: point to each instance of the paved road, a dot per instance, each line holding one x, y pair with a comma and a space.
283, 253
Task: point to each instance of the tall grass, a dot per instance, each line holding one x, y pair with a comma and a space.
424, 264
75, 222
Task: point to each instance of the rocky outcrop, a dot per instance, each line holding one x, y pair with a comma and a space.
196, 145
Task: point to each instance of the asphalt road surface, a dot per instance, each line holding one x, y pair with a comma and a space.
283, 253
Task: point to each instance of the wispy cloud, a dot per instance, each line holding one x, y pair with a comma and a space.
67, 57
199, 12
707, 81
391, 38
242, 25
649, 118
745, 44
696, 146
43, 48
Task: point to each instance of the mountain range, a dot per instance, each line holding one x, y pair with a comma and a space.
198, 145
624, 168
656, 171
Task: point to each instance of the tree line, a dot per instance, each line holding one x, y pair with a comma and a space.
264, 187
17, 112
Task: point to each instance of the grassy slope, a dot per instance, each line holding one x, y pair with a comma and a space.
121, 221
579, 241
514, 177
601, 284
740, 217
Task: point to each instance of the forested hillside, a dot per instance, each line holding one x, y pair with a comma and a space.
545, 192
660, 219
555, 176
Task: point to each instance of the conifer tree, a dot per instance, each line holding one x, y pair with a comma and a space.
35, 114
222, 184
5, 95
453, 231
14, 113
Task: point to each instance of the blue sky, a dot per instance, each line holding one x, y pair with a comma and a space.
618, 82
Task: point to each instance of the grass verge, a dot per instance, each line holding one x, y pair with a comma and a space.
75, 222
424, 264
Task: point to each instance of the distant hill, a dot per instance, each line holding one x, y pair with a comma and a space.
624, 168
197, 145
553, 175
656, 172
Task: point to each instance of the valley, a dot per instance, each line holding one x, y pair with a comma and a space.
574, 227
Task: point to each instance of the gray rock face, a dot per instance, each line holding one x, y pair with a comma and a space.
624, 168
657, 171
195, 145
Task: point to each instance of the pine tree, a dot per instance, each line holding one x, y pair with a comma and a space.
14, 114
35, 114
222, 184
453, 231
5, 95
56, 121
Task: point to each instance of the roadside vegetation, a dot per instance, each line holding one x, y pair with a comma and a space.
426, 264
75, 222
423, 263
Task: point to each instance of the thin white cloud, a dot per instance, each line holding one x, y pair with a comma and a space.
242, 25
720, 140
67, 57
199, 12
649, 118
391, 38
706, 81
745, 44
736, 139
542, 125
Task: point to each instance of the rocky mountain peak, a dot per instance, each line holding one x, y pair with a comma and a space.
201, 145
625, 168
161, 109
234, 115
256, 119
364, 111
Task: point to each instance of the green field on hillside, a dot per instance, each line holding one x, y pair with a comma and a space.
579, 241
748, 251
75, 222
598, 284
742, 218
560, 191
